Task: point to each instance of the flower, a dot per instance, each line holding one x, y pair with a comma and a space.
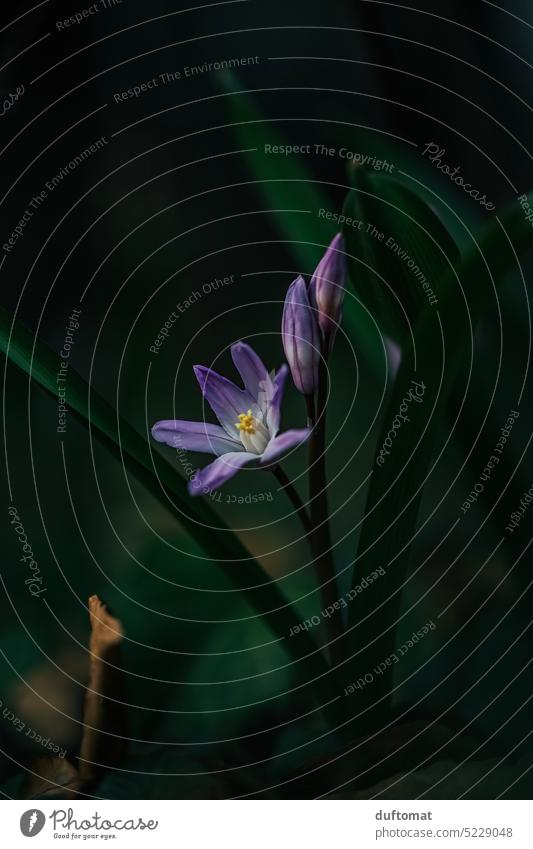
301, 337
249, 421
327, 287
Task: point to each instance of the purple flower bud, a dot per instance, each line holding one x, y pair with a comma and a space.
301, 337
327, 287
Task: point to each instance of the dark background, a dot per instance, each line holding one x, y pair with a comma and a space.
174, 201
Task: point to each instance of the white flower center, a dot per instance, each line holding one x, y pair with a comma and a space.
254, 435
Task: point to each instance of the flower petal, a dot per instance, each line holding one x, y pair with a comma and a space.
219, 471
273, 413
251, 368
301, 337
282, 444
394, 355
328, 283
194, 436
225, 399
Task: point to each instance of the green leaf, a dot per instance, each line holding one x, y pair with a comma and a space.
162, 481
398, 250
285, 183
396, 488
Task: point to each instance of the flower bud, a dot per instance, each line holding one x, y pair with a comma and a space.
327, 287
301, 337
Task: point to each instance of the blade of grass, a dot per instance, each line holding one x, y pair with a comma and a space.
404, 240
394, 497
283, 181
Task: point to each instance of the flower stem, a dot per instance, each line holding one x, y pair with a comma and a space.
294, 497
320, 537
311, 410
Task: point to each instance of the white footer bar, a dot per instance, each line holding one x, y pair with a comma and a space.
268, 824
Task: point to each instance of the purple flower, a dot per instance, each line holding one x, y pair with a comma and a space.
249, 421
301, 337
327, 287
394, 355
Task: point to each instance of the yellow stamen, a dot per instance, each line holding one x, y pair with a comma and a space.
246, 422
